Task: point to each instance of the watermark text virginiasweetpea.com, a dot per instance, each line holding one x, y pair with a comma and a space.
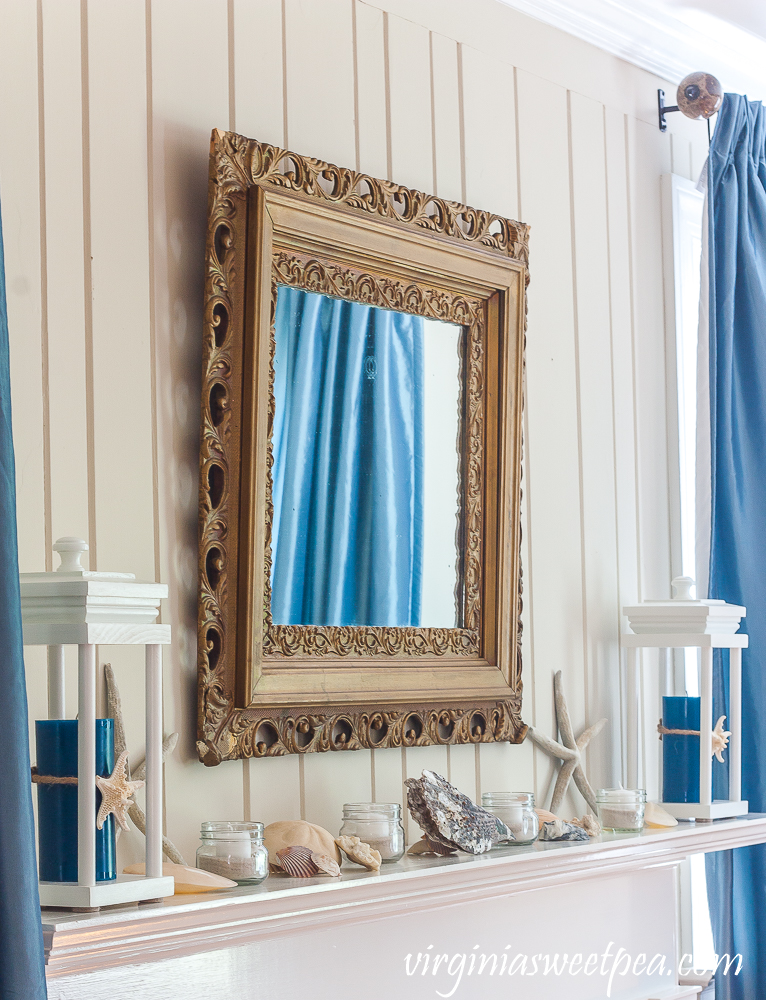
451, 970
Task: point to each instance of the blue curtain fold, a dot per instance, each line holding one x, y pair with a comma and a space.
22, 964
737, 271
347, 476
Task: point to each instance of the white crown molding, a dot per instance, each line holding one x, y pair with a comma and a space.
660, 39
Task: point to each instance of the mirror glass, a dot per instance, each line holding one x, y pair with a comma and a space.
366, 446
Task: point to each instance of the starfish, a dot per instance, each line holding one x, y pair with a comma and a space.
136, 813
570, 753
116, 791
720, 739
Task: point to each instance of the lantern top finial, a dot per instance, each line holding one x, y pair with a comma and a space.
71, 550
682, 588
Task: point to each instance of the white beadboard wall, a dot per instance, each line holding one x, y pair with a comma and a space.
106, 110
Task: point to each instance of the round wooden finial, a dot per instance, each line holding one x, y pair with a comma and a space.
699, 95
71, 550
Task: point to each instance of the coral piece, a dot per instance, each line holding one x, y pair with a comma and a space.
187, 879
450, 818
560, 830
720, 739
116, 791
570, 754
589, 823
657, 817
297, 833
360, 853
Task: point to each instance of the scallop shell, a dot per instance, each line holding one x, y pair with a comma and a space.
298, 862
326, 865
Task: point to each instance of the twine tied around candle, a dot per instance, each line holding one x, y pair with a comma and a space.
719, 742
52, 779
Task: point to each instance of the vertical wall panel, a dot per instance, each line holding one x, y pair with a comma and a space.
599, 527
553, 448
490, 136
258, 70
189, 88
320, 79
448, 172
410, 101
68, 350
371, 101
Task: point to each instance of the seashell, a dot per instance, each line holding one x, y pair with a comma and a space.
357, 851
560, 830
325, 865
545, 817
187, 880
426, 846
298, 833
449, 818
657, 817
298, 862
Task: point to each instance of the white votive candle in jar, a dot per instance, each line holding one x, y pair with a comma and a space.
621, 810
517, 811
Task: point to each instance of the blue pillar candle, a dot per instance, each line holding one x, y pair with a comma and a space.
57, 804
680, 754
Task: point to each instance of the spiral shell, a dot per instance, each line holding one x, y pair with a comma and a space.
298, 862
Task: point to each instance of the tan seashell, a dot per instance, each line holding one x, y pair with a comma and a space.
298, 861
326, 865
187, 879
545, 817
657, 817
360, 853
427, 846
298, 833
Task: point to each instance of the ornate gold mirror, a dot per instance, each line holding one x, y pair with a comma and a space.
360, 470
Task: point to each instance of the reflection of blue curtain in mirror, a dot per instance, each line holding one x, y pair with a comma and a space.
348, 463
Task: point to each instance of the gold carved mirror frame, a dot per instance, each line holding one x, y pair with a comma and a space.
276, 218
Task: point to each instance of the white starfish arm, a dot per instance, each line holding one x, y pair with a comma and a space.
585, 789
562, 783
551, 746
585, 738
562, 713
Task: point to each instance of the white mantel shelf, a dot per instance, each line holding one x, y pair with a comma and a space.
186, 925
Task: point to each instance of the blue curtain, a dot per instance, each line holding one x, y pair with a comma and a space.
22, 968
737, 271
348, 463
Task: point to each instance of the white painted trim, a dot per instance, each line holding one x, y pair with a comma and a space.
678, 640
95, 634
184, 925
658, 41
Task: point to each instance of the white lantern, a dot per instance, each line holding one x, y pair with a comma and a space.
74, 606
683, 623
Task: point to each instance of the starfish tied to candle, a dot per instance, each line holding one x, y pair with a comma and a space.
720, 739
116, 791
570, 753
